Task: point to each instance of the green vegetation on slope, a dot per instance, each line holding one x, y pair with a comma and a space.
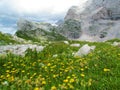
6, 39
56, 68
39, 34
113, 40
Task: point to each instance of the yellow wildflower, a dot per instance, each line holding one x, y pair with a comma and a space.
68, 77
54, 76
8, 75
7, 71
48, 64
119, 54
36, 88
82, 75
23, 71
72, 80
12, 78
1, 76
65, 81
90, 82
71, 86
43, 82
82, 69
53, 88
73, 75
106, 70
34, 74
66, 70
4, 65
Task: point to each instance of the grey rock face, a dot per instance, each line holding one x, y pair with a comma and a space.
29, 25
70, 29
99, 19
73, 13
37, 32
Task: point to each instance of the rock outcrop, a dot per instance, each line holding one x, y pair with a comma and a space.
71, 29
84, 50
26, 25
19, 49
99, 20
73, 13
37, 31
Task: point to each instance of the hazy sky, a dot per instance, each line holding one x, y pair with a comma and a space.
37, 10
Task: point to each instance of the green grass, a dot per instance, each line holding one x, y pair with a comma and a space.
40, 35
99, 70
6, 39
114, 40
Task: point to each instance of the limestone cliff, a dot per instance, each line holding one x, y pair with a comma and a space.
99, 19
36, 31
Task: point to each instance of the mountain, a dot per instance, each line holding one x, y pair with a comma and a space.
99, 20
71, 29
37, 32
26, 25
96, 20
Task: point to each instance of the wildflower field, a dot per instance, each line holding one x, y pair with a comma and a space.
56, 68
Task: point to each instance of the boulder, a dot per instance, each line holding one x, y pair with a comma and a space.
19, 49
75, 45
116, 44
66, 42
84, 50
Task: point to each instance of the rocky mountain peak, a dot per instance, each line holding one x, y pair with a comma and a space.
96, 20
74, 13
99, 19
24, 24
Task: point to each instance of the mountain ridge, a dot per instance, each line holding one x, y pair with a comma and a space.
97, 20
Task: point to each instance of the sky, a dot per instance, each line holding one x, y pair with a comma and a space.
35, 10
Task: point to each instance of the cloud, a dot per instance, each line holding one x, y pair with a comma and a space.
36, 10
39, 6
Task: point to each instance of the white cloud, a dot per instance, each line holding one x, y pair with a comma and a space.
44, 6
37, 7
39, 10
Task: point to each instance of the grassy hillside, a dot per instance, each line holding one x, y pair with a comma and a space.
40, 35
56, 68
6, 39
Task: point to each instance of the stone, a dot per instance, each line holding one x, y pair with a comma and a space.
55, 55
116, 44
84, 50
66, 42
75, 45
19, 49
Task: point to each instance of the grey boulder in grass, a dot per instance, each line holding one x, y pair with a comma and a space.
84, 50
